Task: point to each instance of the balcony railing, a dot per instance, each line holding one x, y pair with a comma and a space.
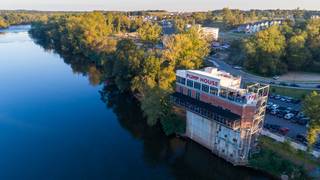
206, 110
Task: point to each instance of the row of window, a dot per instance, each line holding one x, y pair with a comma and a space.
197, 85
212, 90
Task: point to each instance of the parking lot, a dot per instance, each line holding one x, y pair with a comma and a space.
284, 117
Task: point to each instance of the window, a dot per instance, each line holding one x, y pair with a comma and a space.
197, 85
213, 90
181, 90
189, 83
205, 88
197, 95
189, 93
181, 80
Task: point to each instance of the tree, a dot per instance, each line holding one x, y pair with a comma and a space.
154, 105
126, 63
3, 23
311, 107
298, 55
150, 33
264, 52
186, 50
313, 30
179, 25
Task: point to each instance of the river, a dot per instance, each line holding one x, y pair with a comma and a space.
57, 122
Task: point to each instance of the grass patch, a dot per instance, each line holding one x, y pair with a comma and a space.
285, 91
280, 158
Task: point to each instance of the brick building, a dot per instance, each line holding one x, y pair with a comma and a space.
221, 115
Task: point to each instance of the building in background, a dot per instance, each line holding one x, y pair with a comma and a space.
210, 33
221, 115
258, 26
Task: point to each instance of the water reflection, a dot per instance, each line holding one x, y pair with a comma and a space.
184, 158
95, 141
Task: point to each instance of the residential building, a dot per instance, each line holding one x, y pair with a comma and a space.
210, 33
220, 115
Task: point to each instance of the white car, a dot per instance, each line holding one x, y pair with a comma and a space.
274, 106
237, 67
274, 112
275, 77
289, 116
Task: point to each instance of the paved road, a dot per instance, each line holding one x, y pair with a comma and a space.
253, 78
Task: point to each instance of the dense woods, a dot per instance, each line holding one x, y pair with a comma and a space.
135, 65
277, 50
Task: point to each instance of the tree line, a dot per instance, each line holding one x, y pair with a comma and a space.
279, 49
134, 65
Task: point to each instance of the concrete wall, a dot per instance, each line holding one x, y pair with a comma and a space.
221, 140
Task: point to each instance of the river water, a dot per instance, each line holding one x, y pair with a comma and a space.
57, 122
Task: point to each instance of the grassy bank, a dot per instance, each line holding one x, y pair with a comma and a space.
285, 91
280, 158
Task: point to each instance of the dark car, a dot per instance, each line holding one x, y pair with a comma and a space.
281, 114
303, 121
294, 85
295, 101
318, 86
283, 84
302, 139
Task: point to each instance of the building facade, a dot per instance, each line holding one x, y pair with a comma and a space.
210, 33
220, 115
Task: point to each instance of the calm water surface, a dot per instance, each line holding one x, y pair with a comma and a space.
54, 124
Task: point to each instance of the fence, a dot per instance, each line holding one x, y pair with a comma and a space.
295, 145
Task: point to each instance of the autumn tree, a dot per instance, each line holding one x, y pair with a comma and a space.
186, 50
150, 33
311, 107
3, 23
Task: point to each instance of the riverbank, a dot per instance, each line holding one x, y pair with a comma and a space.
281, 159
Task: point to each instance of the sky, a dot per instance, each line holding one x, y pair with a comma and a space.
170, 5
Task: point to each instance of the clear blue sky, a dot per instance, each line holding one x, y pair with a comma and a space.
171, 5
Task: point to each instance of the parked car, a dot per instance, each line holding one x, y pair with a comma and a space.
237, 67
289, 116
284, 131
289, 100
283, 99
277, 97
272, 127
274, 111
318, 86
283, 84
295, 101
281, 114
274, 106
303, 121
294, 85
275, 77
302, 139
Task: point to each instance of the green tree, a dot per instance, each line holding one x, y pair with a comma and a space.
298, 55
311, 107
126, 63
264, 52
313, 30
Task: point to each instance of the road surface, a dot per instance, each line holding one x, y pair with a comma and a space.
247, 77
